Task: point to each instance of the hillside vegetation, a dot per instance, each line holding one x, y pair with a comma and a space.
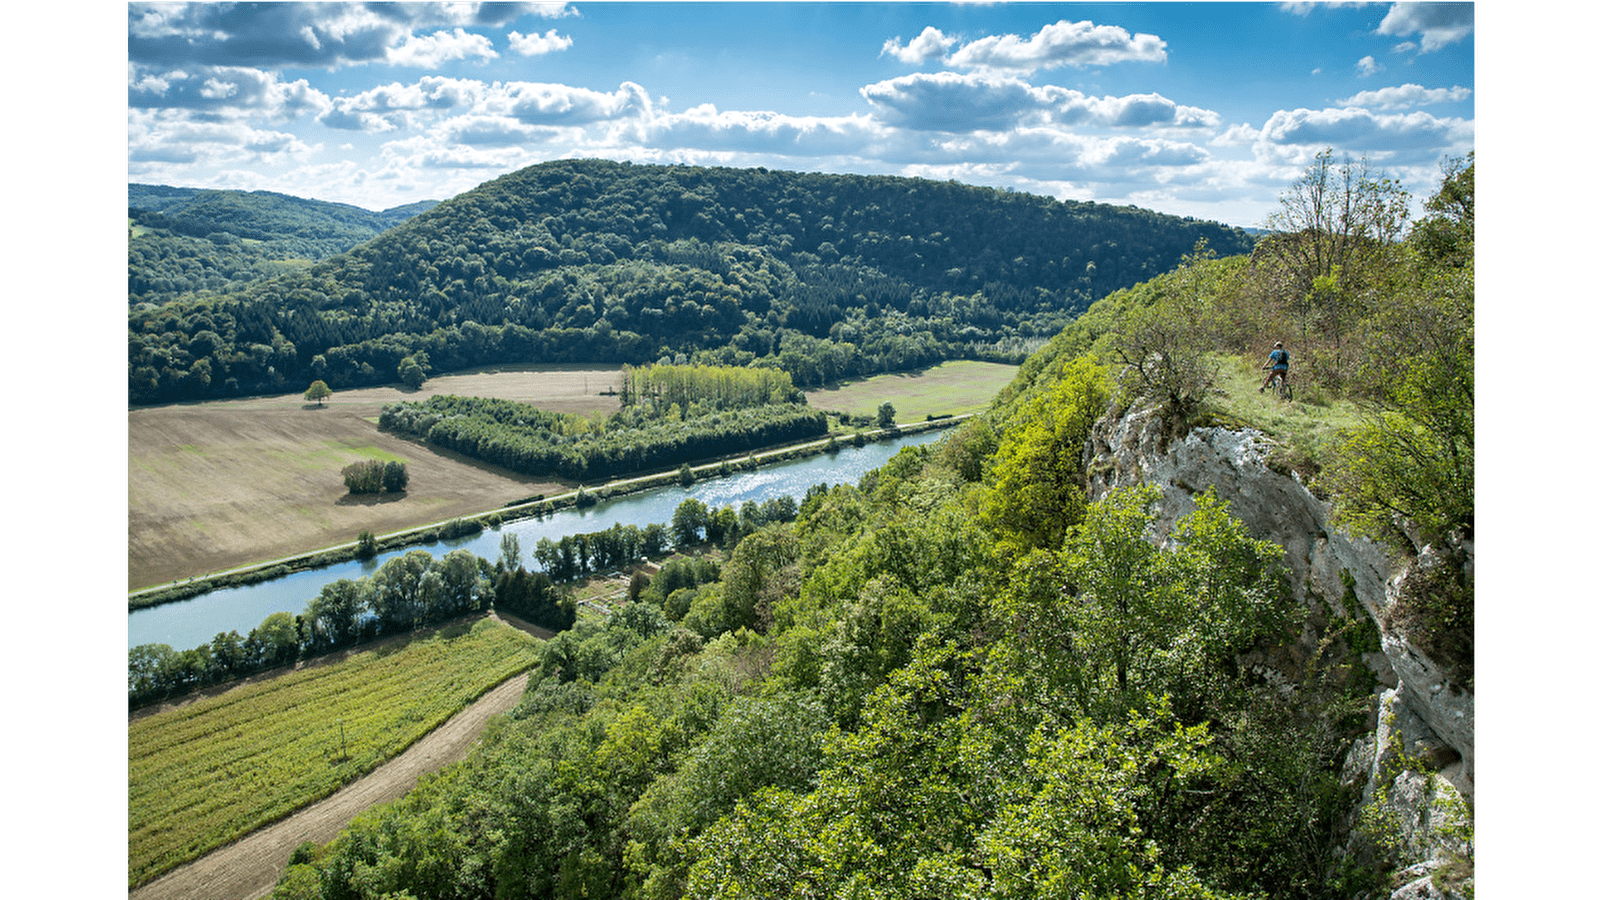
824, 276
964, 677
186, 240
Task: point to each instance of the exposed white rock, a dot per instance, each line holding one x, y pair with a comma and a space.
1131, 449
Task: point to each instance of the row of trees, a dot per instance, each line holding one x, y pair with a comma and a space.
714, 387
414, 589
523, 438
404, 593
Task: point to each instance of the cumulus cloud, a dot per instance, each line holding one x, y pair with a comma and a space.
317, 35
560, 104
1293, 135
758, 131
493, 131
948, 101
538, 45
1366, 67
440, 47
1440, 24
1063, 43
224, 92
167, 136
1305, 8
931, 44
393, 106
1407, 95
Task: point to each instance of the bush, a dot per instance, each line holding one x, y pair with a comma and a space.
373, 476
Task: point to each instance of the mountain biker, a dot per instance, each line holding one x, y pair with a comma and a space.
1278, 362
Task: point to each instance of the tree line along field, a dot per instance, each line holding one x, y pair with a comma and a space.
208, 772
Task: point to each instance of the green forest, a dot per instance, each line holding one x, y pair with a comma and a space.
823, 276
188, 241
965, 677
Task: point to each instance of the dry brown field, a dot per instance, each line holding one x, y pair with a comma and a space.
217, 485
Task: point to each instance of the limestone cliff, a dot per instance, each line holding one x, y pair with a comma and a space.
1417, 766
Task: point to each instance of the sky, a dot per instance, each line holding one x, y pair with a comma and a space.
1200, 109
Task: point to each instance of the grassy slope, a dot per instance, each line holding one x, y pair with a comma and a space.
1303, 426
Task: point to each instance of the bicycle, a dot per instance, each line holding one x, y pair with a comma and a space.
1280, 384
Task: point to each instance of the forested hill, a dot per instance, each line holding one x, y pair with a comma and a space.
184, 240
822, 275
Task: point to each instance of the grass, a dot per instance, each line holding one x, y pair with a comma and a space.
1303, 427
207, 773
950, 388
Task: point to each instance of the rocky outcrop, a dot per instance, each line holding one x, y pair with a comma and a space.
1416, 769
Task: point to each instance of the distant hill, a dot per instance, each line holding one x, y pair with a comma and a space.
183, 240
824, 276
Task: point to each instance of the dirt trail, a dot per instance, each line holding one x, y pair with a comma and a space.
249, 867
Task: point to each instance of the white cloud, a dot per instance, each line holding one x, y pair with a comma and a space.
931, 44
172, 136
493, 131
1305, 8
757, 131
441, 47
1293, 136
316, 35
948, 101
1407, 95
1063, 43
396, 106
560, 104
1366, 67
538, 45
1440, 24
224, 92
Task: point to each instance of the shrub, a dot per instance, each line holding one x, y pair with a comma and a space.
372, 476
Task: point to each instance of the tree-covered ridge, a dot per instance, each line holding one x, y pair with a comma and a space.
185, 240
826, 275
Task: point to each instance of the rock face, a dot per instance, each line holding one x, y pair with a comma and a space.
1425, 723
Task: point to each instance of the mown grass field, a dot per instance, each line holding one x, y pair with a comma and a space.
951, 388
206, 773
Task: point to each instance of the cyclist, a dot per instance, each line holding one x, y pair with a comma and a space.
1278, 362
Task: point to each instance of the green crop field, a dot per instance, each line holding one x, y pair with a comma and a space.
951, 388
209, 772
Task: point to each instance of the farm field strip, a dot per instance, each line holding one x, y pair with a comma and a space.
207, 773
949, 388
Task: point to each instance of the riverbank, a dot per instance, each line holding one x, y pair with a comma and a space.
532, 506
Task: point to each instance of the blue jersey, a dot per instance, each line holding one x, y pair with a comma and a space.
1279, 359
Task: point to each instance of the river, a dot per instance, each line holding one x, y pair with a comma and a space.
192, 622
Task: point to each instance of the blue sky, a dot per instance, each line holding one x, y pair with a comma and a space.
1203, 109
